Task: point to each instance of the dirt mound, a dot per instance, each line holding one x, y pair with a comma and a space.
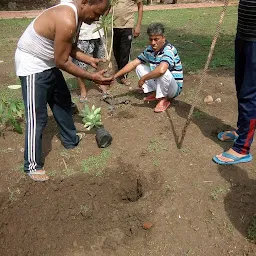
76, 215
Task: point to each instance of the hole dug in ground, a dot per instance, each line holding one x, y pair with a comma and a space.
83, 211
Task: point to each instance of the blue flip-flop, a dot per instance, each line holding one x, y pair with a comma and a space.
237, 160
232, 137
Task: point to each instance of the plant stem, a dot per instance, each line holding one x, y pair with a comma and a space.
112, 33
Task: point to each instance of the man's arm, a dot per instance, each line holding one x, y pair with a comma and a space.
76, 53
127, 68
64, 33
157, 72
136, 31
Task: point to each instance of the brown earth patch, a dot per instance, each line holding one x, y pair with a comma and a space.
64, 216
91, 207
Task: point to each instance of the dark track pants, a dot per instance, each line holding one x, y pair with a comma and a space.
38, 90
122, 42
245, 79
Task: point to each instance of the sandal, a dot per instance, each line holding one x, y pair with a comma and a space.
83, 99
234, 159
160, 108
151, 97
230, 136
38, 175
124, 82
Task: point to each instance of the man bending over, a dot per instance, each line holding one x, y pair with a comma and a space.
44, 49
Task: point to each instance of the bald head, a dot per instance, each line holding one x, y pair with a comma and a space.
91, 10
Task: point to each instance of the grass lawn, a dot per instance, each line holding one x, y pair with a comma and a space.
191, 31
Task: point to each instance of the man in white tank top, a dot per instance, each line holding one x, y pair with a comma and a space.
43, 49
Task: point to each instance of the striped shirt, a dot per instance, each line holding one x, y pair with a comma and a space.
167, 54
246, 26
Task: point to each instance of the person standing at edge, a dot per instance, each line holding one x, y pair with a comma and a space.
245, 81
124, 31
44, 49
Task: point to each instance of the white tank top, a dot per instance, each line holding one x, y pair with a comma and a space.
35, 53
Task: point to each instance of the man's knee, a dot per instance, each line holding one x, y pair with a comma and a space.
141, 69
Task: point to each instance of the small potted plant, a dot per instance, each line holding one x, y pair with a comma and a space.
92, 119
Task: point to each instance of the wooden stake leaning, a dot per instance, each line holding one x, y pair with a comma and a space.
196, 98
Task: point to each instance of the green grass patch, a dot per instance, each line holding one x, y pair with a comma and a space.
95, 164
155, 146
251, 232
11, 31
191, 31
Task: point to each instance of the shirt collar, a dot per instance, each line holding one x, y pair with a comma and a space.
161, 50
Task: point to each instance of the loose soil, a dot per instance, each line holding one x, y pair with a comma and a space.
98, 207
140, 196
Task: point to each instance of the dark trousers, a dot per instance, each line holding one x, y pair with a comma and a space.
38, 90
245, 80
122, 42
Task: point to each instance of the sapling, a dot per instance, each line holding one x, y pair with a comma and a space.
107, 23
92, 118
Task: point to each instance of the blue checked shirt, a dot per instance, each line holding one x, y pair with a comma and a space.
167, 54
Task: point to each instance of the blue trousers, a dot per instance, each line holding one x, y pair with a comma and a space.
245, 80
39, 89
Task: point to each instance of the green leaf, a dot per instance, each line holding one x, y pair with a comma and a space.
87, 109
13, 107
20, 113
91, 116
97, 118
93, 108
88, 123
84, 120
16, 125
1, 107
97, 111
99, 124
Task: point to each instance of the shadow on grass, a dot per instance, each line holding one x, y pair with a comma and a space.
240, 201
